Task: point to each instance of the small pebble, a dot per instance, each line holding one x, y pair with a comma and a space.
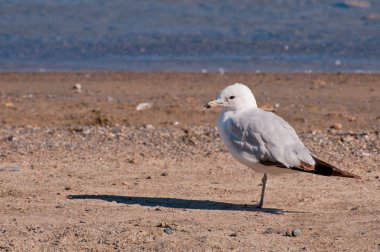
296, 232
67, 188
164, 174
233, 234
149, 177
11, 138
144, 106
149, 127
77, 87
337, 126
168, 230
10, 168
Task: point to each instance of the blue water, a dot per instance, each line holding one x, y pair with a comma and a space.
169, 35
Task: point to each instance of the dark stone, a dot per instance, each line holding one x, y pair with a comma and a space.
168, 230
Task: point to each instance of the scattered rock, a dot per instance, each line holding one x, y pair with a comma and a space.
296, 232
110, 99
293, 233
86, 131
365, 154
168, 230
10, 168
9, 104
67, 188
233, 234
337, 126
347, 139
164, 174
273, 231
144, 106
149, 127
149, 177
77, 87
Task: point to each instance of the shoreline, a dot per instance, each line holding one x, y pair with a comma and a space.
307, 101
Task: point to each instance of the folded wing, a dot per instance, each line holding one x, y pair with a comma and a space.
273, 142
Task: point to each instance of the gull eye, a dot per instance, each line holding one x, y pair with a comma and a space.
232, 97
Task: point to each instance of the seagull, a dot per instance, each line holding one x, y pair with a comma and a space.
262, 140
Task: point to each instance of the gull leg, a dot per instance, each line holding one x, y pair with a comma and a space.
264, 183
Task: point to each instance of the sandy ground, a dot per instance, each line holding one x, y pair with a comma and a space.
97, 175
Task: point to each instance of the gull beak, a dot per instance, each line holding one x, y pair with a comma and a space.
211, 104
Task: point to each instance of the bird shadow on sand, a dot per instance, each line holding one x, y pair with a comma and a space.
180, 203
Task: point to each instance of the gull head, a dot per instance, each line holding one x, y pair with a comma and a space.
234, 97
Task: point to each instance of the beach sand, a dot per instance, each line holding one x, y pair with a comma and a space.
98, 175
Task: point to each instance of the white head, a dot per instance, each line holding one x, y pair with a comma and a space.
234, 97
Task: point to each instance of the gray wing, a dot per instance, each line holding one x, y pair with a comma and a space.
268, 138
